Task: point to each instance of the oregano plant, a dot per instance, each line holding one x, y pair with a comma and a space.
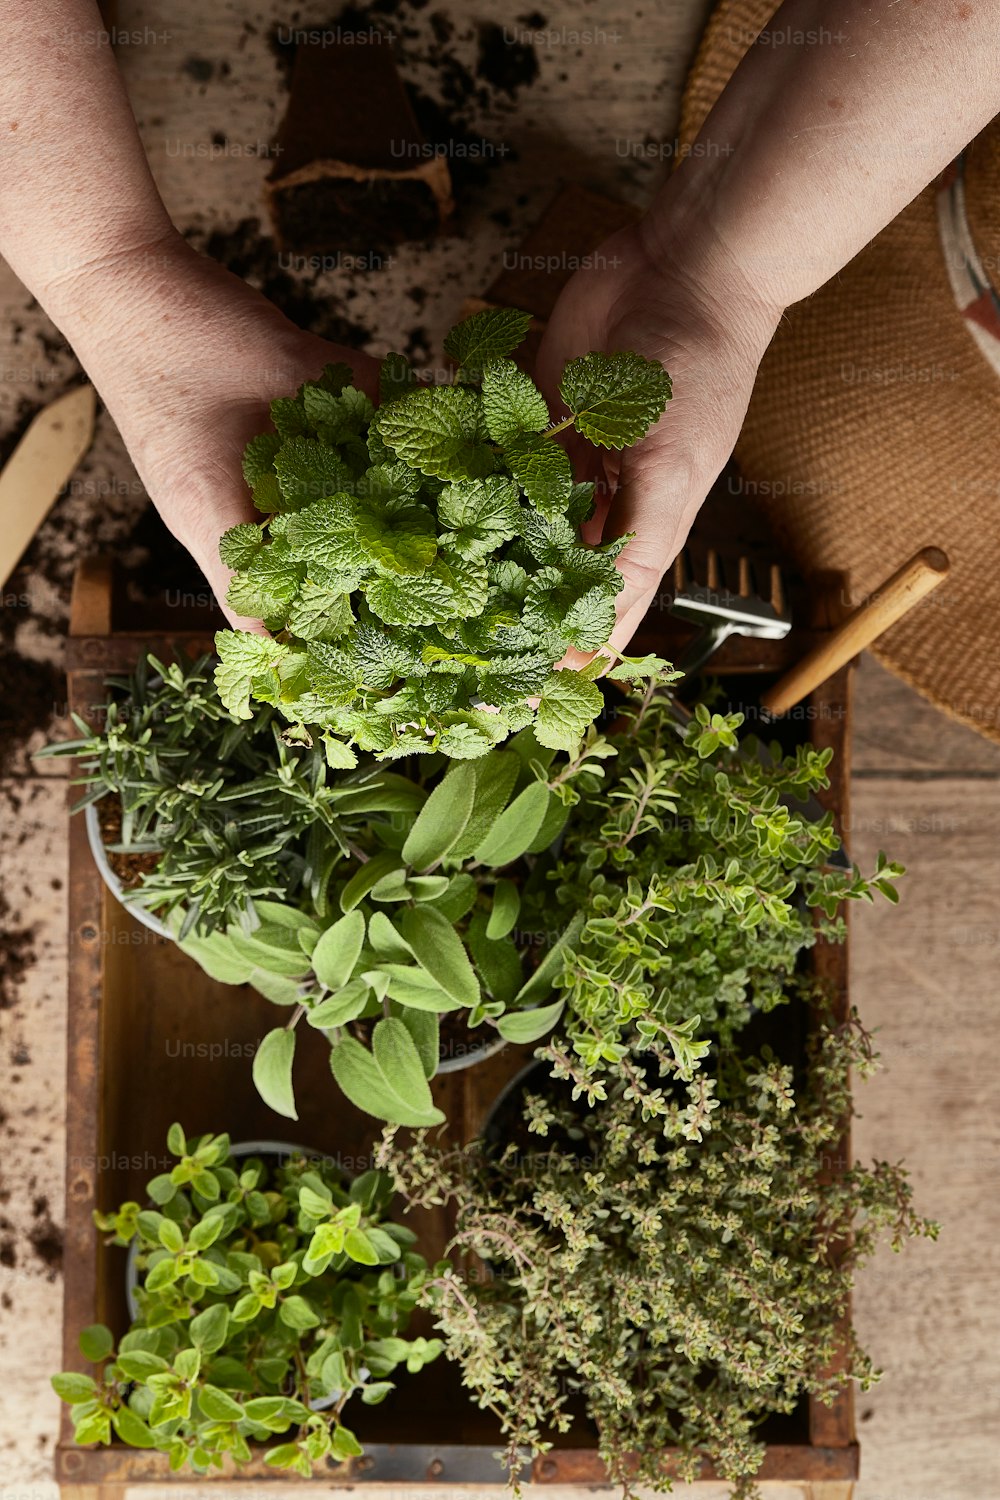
419, 564
271, 1294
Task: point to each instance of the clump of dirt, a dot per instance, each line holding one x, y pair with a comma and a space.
46, 1238
17, 954
508, 65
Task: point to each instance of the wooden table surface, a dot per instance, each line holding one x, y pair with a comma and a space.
927, 791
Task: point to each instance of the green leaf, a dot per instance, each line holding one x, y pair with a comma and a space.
210, 1329
516, 827
365, 1085
336, 1010
512, 403
171, 1237
131, 1428
324, 536
443, 818
217, 1406
96, 1343
398, 538
497, 960
481, 515
272, 1071
367, 878
245, 660
269, 584
360, 1248
74, 1388
568, 704
337, 951
486, 335
395, 378
298, 1313
543, 471
320, 613
273, 946
438, 948
216, 955
614, 398
240, 545
590, 620
414, 988
397, 1058
309, 470
139, 1364
496, 777
440, 431
276, 987
258, 457
528, 1025
452, 588
424, 1028
504, 913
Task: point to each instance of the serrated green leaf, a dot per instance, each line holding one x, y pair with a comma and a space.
542, 469
324, 536
398, 537
320, 613
271, 581
245, 661
614, 398
439, 430
240, 545
259, 455
453, 587
309, 470
272, 1071
512, 403
481, 515
489, 334
395, 378
567, 705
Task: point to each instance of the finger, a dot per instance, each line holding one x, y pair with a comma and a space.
199, 524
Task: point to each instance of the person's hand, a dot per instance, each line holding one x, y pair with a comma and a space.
710, 334
187, 358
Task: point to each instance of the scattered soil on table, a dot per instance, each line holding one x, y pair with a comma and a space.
46, 1238
17, 954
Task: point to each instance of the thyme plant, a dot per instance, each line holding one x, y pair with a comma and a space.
675, 1287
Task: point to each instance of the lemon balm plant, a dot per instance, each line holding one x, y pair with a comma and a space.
420, 566
271, 1295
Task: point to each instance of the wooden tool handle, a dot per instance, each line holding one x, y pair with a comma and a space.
913, 581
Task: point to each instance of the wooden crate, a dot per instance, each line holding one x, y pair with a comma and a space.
153, 1039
